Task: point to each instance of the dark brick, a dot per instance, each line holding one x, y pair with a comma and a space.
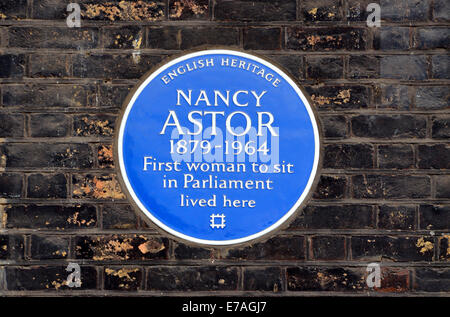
393, 97
321, 10
348, 156
433, 98
183, 252
441, 10
434, 156
278, 248
50, 9
94, 125
444, 247
10, 185
49, 247
357, 10
434, 217
113, 96
123, 278
432, 279
339, 97
146, 11
324, 67
329, 39
388, 187
440, 66
292, 63
263, 279
12, 66
442, 186
51, 217
103, 186
396, 217
195, 36
262, 10
47, 186
334, 127
120, 248
389, 126
47, 95
403, 249
395, 156
50, 65
262, 38
12, 125
404, 10
13, 10
363, 66
168, 38
327, 248
47, 155
407, 67
47, 278
325, 279
53, 37
49, 125
11, 247
119, 217
331, 187
335, 217
391, 38
192, 278
441, 127
432, 38
124, 37
188, 9
105, 156
394, 280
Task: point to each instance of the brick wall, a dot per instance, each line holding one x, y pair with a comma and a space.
382, 95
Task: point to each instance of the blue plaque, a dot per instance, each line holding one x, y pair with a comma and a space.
218, 147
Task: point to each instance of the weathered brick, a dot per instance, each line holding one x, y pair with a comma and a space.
71, 155
125, 37
391, 38
94, 125
403, 249
12, 125
433, 156
11, 247
50, 65
292, 63
12, 65
389, 126
247, 10
120, 248
392, 97
364, 66
327, 248
444, 247
434, 217
278, 248
441, 10
50, 9
395, 156
396, 217
325, 279
432, 279
348, 156
357, 10
334, 127
440, 66
49, 247
335, 217
123, 278
47, 278
113, 96
53, 37
47, 186
168, 38
188, 9
331, 187
433, 98
404, 10
49, 125
13, 10
394, 280
115, 10
10, 185
329, 39
262, 38
50, 217
339, 97
186, 252
105, 156
321, 10
103, 186
389, 187
432, 38
407, 67
263, 279
192, 278
117, 216
324, 67
442, 186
